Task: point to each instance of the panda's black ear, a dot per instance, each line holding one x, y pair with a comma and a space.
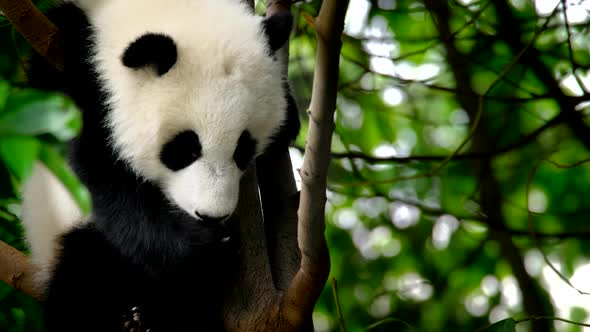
277, 29
151, 49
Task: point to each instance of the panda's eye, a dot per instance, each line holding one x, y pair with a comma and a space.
245, 150
181, 151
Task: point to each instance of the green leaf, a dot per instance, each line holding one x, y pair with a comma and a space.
32, 310
33, 112
19, 155
506, 325
19, 316
4, 93
7, 192
56, 164
5, 290
4, 22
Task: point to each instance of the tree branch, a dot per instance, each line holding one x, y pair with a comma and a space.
511, 29
313, 272
37, 29
291, 310
525, 140
17, 270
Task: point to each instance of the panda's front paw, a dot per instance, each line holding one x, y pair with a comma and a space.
133, 322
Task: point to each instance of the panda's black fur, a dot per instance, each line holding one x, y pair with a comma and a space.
135, 251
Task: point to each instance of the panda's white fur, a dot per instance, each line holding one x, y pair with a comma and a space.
213, 59
144, 73
48, 210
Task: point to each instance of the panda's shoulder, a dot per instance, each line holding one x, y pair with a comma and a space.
84, 248
85, 278
85, 235
88, 266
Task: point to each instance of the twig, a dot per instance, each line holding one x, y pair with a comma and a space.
489, 188
532, 225
511, 28
532, 318
476, 120
466, 156
389, 320
570, 47
452, 36
337, 303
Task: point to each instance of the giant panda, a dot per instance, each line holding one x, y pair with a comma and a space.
177, 98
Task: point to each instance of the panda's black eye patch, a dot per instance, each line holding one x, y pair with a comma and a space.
181, 151
245, 150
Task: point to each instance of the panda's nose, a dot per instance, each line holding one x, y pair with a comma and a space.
209, 219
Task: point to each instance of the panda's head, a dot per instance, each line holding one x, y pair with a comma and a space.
194, 93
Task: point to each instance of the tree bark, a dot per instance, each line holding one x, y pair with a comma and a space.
17, 271
272, 309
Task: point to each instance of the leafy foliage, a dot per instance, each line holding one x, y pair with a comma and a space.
34, 125
420, 241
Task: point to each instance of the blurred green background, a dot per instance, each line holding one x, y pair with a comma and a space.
462, 130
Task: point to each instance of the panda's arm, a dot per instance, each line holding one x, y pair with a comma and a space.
80, 295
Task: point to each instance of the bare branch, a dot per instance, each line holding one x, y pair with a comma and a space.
17, 270
510, 28
531, 224
39, 31
525, 140
570, 47
313, 272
